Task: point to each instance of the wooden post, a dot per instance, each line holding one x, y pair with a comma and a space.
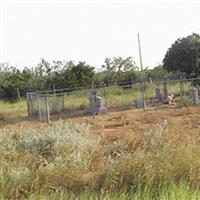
39, 111
140, 54
47, 109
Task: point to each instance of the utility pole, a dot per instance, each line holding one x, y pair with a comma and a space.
140, 54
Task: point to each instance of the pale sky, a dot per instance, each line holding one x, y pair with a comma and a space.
91, 30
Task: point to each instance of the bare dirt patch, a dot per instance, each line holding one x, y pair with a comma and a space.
115, 124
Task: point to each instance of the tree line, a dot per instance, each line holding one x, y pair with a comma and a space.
182, 58
68, 74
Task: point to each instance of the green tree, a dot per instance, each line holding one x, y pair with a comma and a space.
10, 80
157, 73
119, 69
82, 74
184, 56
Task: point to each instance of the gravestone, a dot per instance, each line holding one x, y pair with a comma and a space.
139, 103
194, 95
96, 104
157, 93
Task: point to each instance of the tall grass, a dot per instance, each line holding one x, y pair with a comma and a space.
67, 161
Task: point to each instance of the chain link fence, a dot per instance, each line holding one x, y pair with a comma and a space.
54, 104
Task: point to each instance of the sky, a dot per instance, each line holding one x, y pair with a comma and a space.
91, 30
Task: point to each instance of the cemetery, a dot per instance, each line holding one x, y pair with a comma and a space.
44, 105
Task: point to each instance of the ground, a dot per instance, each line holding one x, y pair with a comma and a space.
134, 150
116, 123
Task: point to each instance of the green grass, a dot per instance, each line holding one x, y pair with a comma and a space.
173, 192
118, 97
113, 97
6, 106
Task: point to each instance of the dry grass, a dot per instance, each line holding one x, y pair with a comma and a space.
155, 153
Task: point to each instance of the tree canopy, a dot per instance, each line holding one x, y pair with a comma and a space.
62, 74
184, 56
69, 74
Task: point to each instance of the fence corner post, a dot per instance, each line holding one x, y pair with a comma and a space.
47, 109
39, 110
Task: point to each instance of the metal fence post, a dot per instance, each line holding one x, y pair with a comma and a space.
31, 105
145, 89
28, 104
105, 95
143, 95
165, 91
54, 89
18, 94
39, 111
181, 89
182, 92
47, 109
63, 101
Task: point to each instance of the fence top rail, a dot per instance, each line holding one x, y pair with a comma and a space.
53, 91
60, 92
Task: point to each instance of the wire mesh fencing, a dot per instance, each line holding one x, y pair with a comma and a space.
141, 94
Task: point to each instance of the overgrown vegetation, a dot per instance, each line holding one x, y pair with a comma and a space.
79, 161
69, 161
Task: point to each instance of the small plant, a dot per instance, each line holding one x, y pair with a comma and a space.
184, 101
36, 143
74, 136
